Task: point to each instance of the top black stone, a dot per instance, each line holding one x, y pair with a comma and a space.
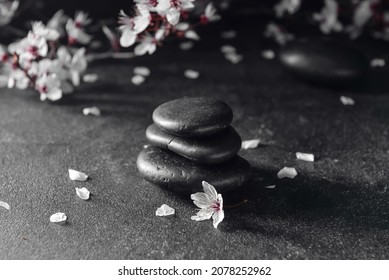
193, 117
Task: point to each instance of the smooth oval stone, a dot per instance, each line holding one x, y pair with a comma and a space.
207, 150
193, 117
324, 62
167, 169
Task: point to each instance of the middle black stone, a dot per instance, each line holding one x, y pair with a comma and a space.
211, 149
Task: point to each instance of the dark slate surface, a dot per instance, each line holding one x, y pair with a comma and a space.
336, 208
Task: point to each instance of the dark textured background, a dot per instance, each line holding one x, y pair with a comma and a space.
336, 208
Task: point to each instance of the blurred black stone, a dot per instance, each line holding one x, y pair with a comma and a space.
324, 62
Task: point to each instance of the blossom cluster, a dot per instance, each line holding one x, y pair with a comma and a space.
41, 61
155, 20
349, 17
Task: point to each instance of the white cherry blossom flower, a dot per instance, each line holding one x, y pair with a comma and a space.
40, 30
76, 33
210, 204
18, 78
32, 47
77, 66
148, 43
57, 21
210, 14
7, 11
49, 87
328, 17
131, 27
173, 11
290, 6
277, 33
362, 14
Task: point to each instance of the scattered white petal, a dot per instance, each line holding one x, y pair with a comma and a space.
137, 80
250, 144
305, 157
191, 74
75, 175
230, 34
142, 71
83, 193
234, 58
287, 172
90, 78
145, 146
268, 54
58, 218
165, 210
228, 49
5, 205
377, 62
270, 187
91, 111
348, 101
186, 45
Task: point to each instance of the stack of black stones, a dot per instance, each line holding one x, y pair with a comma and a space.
192, 140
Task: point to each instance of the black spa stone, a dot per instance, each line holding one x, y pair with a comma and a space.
206, 150
193, 117
176, 173
324, 62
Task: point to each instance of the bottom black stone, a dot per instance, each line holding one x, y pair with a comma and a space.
178, 174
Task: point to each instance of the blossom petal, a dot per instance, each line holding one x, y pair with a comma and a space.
142, 70
250, 144
165, 210
201, 200
83, 193
203, 214
209, 190
75, 175
173, 16
128, 38
305, 157
58, 218
287, 172
5, 205
217, 217
91, 111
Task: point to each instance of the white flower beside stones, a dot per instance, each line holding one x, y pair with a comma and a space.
58, 218
75, 175
287, 172
210, 204
250, 144
83, 193
305, 157
165, 210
